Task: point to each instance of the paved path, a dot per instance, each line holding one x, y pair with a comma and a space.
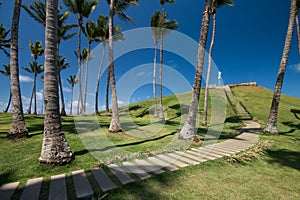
128, 172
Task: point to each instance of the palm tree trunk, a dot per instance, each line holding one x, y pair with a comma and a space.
55, 148
86, 78
18, 128
204, 121
189, 129
154, 82
72, 100
115, 125
62, 99
8, 104
271, 126
80, 103
298, 31
34, 92
98, 81
161, 109
30, 103
107, 96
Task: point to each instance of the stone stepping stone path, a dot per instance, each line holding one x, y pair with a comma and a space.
139, 169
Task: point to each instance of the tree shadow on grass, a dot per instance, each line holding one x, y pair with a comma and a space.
293, 127
285, 158
5, 177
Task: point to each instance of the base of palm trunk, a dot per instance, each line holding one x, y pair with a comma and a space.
16, 134
187, 132
114, 127
271, 128
63, 112
56, 151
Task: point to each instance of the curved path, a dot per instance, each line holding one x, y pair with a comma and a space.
137, 169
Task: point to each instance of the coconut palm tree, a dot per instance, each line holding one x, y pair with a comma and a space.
34, 69
62, 65
55, 148
6, 72
4, 43
72, 80
160, 28
82, 9
163, 15
18, 128
215, 4
297, 25
115, 7
189, 129
271, 126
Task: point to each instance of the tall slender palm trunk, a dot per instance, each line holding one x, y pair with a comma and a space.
154, 81
107, 96
71, 106
271, 126
189, 129
205, 107
161, 108
34, 92
98, 81
30, 103
80, 103
62, 99
115, 125
8, 104
18, 128
55, 148
298, 30
86, 78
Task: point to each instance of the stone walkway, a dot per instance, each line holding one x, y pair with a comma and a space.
128, 172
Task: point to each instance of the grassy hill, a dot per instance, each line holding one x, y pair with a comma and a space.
276, 174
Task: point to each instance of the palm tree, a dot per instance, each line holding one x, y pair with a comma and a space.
6, 72
62, 65
34, 69
72, 80
297, 25
55, 148
271, 126
115, 7
160, 28
18, 128
189, 129
215, 4
4, 43
82, 9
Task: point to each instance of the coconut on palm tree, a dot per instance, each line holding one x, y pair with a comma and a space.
4, 42
34, 69
55, 148
271, 126
72, 80
18, 128
215, 4
115, 7
82, 9
189, 129
160, 27
6, 72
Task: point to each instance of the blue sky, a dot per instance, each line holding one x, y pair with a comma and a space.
248, 47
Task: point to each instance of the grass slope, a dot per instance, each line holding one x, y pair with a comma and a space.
275, 175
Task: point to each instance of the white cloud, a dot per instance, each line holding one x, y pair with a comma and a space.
296, 67
39, 96
66, 89
25, 79
122, 103
140, 74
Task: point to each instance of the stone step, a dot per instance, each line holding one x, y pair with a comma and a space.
182, 158
82, 186
103, 180
216, 149
156, 169
172, 160
120, 174
136, 170
205, 155
7, 190
162, 164
32, 189
58, 188
188, 155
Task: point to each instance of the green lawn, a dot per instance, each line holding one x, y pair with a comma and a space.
275, 175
